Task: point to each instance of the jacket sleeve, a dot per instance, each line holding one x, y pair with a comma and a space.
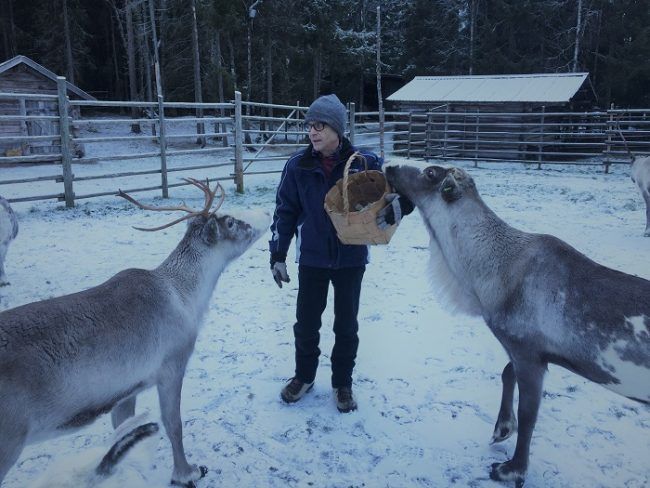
285, 218
374, 161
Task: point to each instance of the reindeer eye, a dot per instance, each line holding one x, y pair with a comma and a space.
430, 173
230, 223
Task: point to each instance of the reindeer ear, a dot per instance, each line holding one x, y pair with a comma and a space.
449, 189
210, 231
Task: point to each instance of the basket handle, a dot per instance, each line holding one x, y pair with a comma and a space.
346, 171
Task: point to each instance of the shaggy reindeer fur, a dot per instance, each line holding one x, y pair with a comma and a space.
67, 360
543, 300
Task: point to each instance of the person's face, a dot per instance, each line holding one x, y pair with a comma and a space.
324, 139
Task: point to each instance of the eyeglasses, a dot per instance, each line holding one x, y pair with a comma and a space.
317, 126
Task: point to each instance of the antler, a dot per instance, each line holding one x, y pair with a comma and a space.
209, 194
209, 199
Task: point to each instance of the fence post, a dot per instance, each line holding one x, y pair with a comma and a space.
427, 136
464, 135
608, 144
24, 145
476, 124
410, 130
162, 140
163, 147
540, 146
64, 130
444, 146
239, 145
299, 125
286, 129
352, 118
223, 128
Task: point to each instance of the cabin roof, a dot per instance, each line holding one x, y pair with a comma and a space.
20, 59
541, 88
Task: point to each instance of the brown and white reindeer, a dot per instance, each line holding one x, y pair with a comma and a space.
543, 300
67, 360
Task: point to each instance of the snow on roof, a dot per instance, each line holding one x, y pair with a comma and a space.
552, 87
20, 59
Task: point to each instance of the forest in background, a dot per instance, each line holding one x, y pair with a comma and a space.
283, 51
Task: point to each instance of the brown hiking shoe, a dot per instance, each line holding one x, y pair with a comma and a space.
345, 401
294, 390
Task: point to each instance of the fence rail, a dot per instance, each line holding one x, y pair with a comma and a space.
253, 137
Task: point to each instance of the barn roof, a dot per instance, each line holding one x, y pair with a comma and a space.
15, 61
543, 88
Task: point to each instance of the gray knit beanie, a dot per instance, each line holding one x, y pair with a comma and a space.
330, 110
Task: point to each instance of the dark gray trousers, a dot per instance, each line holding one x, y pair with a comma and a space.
313, 285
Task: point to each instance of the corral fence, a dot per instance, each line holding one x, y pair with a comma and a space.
159, 143
68, 150
589, 138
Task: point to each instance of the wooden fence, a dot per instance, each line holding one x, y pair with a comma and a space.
256, 138
586, 138
152, 115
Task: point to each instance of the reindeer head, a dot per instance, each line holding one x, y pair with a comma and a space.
431, 184
230, 234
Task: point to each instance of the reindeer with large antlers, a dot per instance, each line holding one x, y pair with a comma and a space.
67, 360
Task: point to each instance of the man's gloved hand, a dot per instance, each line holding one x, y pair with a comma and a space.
279, 271
391, 213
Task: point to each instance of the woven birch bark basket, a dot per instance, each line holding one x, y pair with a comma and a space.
352, 205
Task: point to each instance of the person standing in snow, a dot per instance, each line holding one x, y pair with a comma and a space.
322, 259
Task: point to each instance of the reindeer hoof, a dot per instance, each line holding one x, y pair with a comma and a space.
202, 471
507, 472
503, 430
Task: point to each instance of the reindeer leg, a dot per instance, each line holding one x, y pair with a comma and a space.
12, 441
170, 384
506, 422
122, 411
3, 253
646, 197
530, 378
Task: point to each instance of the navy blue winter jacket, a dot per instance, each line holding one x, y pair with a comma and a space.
300, 212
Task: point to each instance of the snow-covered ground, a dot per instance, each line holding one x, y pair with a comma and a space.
428, 383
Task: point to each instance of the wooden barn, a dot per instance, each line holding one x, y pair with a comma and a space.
24, 75
497, 116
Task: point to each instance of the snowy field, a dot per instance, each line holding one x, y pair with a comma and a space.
427, 382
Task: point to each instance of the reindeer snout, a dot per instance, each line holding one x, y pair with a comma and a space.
400, 177
391, 173
258, 220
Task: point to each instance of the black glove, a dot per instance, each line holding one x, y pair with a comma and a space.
393, 212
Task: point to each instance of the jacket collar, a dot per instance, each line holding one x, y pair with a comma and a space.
310, 159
